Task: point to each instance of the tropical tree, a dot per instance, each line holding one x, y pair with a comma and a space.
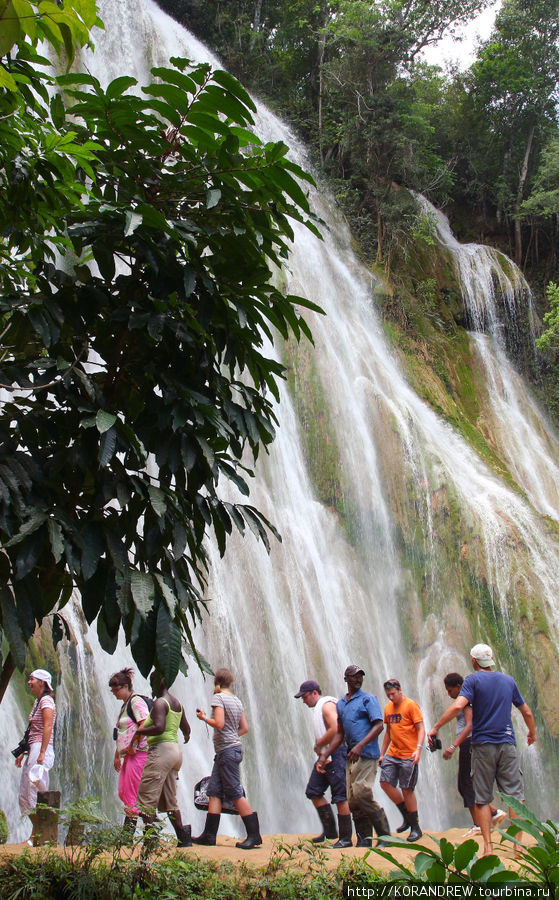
515, 86
139, 231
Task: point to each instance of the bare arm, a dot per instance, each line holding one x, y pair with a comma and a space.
420, 729
334, 744
243, 726
330, 718
450, 714
218, 720
385, 742
184, 726
528, 717
464, 734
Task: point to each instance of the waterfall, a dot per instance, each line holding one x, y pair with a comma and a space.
491, 283
402, 546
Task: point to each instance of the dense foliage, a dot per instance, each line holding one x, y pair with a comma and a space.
138, 235
105, 870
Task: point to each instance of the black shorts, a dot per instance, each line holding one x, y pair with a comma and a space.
333, 778
465, 785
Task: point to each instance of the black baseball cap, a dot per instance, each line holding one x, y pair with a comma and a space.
307, 687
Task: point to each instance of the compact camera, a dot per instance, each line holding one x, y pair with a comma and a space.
435, 744
21, 748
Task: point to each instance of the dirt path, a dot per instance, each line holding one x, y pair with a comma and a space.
291, 848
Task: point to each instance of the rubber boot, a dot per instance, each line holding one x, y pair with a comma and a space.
184, 836
329, 830
345, 832
381, 826
405, 824
209, 834
363, 830
416, 831
253, 838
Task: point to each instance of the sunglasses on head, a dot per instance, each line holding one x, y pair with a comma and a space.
392, 684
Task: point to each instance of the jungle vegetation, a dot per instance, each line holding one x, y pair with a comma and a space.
138, 232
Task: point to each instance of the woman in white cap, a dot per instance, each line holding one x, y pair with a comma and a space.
40, 756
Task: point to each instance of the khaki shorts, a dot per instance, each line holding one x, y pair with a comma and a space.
158, 787
496, 762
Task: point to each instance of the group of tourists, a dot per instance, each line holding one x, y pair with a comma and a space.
347, 735
147, 754
346, 741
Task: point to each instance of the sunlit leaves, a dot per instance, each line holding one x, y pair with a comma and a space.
138, 374
63, 25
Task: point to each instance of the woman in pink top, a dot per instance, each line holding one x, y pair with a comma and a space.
41, 750
130, 759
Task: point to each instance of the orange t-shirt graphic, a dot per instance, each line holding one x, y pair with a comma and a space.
403, 733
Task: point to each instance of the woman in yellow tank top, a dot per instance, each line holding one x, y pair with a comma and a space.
158, 787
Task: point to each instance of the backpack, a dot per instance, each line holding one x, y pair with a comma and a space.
129, 710
202, 801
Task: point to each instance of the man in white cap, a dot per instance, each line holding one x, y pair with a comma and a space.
332, 774
494, 756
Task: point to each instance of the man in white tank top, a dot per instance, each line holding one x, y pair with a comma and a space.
325, 724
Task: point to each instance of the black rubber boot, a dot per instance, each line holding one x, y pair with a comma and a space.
416, 831
208, 836
329, 830
363, 830
184, 836
405, 824
253, 838
381, 826
345, 831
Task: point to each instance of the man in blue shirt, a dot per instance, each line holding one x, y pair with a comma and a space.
359, 725
494, 756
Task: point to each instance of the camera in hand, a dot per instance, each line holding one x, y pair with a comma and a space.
435, 744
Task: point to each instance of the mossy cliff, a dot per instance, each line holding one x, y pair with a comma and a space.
460, 583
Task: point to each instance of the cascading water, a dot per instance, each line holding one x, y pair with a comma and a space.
391, 524
490, 282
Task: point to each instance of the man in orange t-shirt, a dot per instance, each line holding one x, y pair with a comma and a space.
400, 755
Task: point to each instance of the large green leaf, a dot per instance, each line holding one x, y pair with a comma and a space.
143, 592
108, 642
11, 626
464, 854
142, 641
168, 645
10, 29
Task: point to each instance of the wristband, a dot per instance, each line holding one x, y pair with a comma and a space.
420, 746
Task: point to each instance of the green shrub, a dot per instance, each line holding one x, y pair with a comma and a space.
3, 827
460, 864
